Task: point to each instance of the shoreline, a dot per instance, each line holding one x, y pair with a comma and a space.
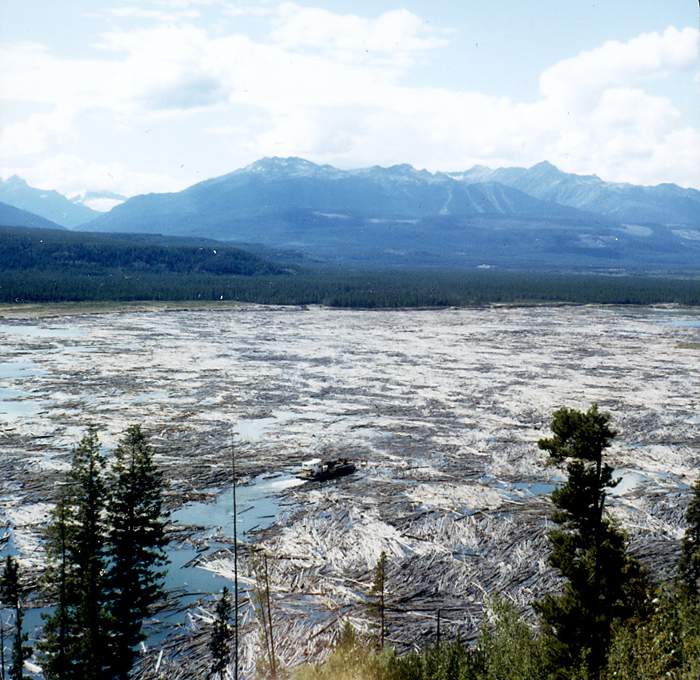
47, 310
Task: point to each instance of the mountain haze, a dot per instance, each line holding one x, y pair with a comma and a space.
47, 204
15, 217
512, 218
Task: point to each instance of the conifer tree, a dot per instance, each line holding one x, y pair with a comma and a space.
136, 546
220, 638
75, 634
11, 594
376, 592
60, 628
603, 583
689, 563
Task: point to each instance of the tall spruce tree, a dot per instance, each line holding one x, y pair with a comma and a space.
136, 546
602, 583
60, 629
75, 634
11, 593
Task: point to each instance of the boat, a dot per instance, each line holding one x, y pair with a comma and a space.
319, 470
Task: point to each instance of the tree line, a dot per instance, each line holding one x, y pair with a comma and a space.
44, 265
343, 287
46, 250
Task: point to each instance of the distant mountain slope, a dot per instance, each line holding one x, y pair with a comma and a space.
237, 205
399, 215
14, 217
662, 204
48, 204
511, 218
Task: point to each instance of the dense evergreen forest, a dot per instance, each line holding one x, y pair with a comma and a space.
42, 265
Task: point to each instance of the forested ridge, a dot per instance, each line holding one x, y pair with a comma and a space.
39, 265
48, 250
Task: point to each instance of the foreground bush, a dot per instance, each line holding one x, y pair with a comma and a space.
352, 659
507, 649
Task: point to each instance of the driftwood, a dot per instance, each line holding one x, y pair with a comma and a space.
441, 409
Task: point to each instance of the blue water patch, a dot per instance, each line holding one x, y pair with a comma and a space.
534, 488
257, 507
684, 323
16, 370
12, 404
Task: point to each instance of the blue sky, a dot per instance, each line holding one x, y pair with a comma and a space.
135, 96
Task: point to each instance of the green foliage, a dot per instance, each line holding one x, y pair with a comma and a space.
377, 609
603, 584
75, 633
46, 250
60, 627
449, 661
689, 564
220, 636
43, 265
507, 648
351, 660
348, 636
136, 546
578, 435
104, 550
666, 644
11, 594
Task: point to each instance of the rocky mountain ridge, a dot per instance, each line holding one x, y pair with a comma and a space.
509, 217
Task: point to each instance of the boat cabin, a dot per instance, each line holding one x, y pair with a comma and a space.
318, 469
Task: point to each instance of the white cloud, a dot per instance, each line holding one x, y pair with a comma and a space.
66, 171
158, 15
333, 88
38, 133
28, 72
176, 4
649, 56
399, 36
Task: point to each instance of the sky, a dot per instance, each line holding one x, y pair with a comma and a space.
138, 96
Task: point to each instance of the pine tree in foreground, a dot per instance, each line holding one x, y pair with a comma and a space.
11, 594
602, 583
377, 596
60, 628
136, 546
689, 564
75, 634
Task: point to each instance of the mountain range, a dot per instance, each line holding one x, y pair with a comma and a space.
47, 204
516, 218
